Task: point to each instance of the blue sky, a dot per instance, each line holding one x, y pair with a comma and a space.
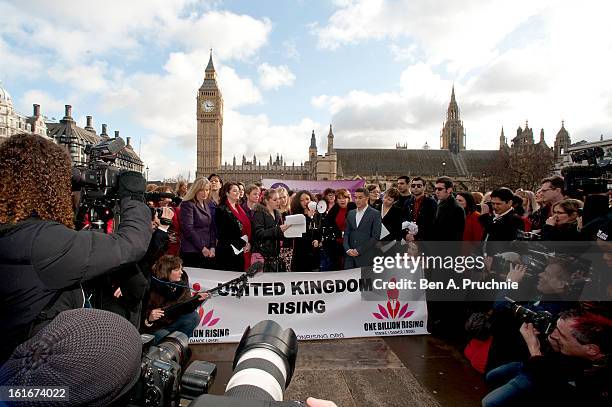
380, 71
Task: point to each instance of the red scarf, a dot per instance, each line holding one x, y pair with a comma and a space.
246, 229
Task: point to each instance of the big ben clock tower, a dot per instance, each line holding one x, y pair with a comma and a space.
209, 114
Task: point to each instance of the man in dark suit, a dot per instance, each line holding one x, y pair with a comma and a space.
421, 209
450, 217
503, 224
361, 233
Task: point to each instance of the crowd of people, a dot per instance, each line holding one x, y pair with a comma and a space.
136, 269
520, 363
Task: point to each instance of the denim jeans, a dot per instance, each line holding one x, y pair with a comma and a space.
512, 386
186, 323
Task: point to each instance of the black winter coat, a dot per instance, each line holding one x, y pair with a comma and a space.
449, 221
229, 233
426, 217
393, 222
267, 234
41, 258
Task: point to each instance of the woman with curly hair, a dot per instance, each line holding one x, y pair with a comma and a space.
43, 259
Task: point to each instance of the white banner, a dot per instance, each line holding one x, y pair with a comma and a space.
316, 305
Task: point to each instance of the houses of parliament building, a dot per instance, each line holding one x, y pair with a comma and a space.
375, 165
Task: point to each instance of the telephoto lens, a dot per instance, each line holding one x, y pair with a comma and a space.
263, 367
264, 362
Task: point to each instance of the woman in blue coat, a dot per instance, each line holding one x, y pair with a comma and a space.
198, 230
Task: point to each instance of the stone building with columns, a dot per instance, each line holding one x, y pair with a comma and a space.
65, 132
13, 122
75, 139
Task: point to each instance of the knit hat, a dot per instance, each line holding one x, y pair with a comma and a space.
95, 354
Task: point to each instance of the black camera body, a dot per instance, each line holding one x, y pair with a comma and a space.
163, 382
589, 179
160, 371
543, 321
98, 180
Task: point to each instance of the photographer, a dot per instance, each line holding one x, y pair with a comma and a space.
43, 260
575, 372
549, 291
170, 286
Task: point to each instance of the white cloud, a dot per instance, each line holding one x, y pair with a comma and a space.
273, 77
84, 78
560, 73
462, 34
75, 42
49, 106
230, 35
17, 64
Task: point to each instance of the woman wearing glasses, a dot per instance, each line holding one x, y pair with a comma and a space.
563, 224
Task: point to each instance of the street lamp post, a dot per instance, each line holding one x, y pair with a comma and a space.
443, 167
147, 169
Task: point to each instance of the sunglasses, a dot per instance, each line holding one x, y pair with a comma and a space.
416, 186
440, 189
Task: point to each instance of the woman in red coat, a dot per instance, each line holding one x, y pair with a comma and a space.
473, 230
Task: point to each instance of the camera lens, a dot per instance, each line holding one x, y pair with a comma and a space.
264, 362
175, 347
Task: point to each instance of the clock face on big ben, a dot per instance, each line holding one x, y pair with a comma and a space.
208, 105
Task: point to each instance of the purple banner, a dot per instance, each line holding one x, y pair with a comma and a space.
315, 187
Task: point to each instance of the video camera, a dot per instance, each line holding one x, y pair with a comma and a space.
98, 179
543, 321
263, 367
593, 178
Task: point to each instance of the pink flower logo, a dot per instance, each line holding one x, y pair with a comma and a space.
205, 320
394, 308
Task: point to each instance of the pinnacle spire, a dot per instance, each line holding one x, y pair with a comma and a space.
313, 141
210, 66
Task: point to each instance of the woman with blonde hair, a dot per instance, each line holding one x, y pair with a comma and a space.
199, 234
284, 206
529, 201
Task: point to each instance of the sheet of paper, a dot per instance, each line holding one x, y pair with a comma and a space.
297, 225
236, 251
384, 232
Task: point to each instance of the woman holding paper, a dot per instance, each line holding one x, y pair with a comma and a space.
305, 248
233, 231
268, 232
